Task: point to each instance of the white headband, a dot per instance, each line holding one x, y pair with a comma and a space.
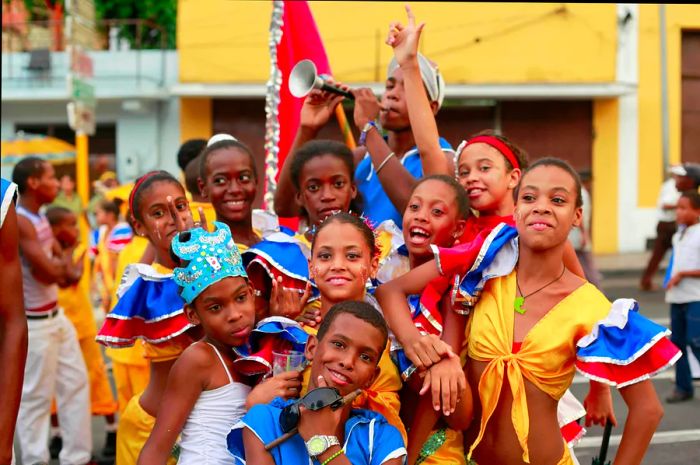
431, 78
219, 137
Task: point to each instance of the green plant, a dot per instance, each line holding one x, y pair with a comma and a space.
159, 18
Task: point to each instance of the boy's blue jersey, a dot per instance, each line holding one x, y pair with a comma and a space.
369, 438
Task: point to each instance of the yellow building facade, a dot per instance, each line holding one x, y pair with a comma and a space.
596, 64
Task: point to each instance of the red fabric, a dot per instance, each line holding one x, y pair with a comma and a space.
300, 40
497, 144
516, 347
661, 355
125, 330
453, 261
572, 432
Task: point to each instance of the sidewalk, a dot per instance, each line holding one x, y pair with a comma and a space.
627, 263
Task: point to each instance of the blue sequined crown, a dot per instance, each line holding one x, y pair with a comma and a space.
210, 257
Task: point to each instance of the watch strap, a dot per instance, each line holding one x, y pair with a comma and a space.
365, 130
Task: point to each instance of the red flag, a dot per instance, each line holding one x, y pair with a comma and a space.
299, 40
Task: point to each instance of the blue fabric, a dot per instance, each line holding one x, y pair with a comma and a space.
685, 332
263, 420
210, 256
669, 269
287, 257
622, 345
377, 206
474, 281
149, 299
398, 356
7, 189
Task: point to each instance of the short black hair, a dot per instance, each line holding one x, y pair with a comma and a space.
559, 163
225, 144
318, 148
354, 220
189, 151
463, 211
110, 206
30, 167
191, 176
56, 215
693, 197
141, 185
358, 309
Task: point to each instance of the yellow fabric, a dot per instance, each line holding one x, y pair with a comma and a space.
135, 426
103, 266
382, 396
129, 380
546, 357
75, 301
451, 451
101, 397
209, 212
133, 355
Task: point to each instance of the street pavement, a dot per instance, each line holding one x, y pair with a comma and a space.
677, 440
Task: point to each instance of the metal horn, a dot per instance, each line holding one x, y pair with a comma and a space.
304, 78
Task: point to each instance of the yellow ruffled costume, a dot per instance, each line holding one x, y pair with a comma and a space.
546, 357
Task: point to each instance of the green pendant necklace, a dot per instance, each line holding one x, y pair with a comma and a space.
520, 299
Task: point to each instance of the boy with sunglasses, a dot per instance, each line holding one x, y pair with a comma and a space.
344, 356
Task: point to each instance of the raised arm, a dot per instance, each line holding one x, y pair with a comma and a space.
395, 179
421, 112
13, 332
316, 111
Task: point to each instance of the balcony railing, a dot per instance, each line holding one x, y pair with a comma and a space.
33, 53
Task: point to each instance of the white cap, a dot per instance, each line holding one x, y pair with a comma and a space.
431, 78
219, 137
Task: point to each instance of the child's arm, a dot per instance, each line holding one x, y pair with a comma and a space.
285, 385
255, 450
187, 379
423, 351
644, 414
405, 41
598, 404
676, 278
316, 111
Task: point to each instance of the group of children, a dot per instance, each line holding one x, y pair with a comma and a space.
440, 308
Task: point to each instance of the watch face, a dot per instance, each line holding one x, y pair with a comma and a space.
316, 445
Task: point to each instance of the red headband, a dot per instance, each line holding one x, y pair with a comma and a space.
136, 187
499, 145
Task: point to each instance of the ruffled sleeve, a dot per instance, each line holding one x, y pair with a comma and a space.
393, 258
148, 307
280, 255
625, 347
273, 333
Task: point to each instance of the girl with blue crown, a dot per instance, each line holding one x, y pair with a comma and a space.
207, 391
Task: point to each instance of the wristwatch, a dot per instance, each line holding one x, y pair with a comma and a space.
366, 129
318, 444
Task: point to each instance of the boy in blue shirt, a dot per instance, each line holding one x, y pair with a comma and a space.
344, 355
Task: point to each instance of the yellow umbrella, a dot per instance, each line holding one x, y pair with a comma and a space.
25, 145
122, 193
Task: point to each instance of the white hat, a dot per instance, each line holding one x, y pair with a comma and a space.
219, 137
431, 78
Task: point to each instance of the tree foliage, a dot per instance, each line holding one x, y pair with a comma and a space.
160, 17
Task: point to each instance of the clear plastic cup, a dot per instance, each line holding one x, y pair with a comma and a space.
287, 360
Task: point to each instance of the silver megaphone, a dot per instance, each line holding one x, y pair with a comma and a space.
304, 78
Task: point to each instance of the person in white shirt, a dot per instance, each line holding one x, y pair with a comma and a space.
683, 291
665, 229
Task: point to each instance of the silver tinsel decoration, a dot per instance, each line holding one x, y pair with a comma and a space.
272, 101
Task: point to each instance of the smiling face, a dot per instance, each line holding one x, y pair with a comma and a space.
226, 311
325, 186
230, 184
546, 208
348, 354
431, 217
341, 262
482, 171
155, 221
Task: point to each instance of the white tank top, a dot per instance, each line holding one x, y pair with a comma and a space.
203, 438
39, 298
